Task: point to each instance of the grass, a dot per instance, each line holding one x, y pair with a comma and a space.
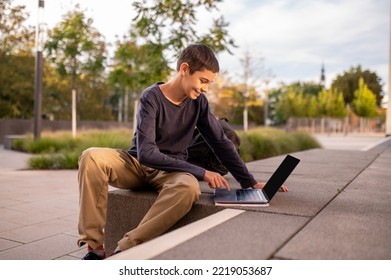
58, 150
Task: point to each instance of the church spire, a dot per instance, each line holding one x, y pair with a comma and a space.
322, 76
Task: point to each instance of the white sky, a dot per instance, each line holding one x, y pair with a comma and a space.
294, 37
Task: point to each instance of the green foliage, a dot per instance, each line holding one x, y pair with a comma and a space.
74, 46
262, 143
348, 83
16, 86
49, 144
172, 24
292, 105
307, 88
15, 38
61, 151
57, 161
227, 100
298, 99
331, 104
78, 53
138, 66
16, 62
364, 103
327, 103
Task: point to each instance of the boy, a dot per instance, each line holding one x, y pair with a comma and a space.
166, 119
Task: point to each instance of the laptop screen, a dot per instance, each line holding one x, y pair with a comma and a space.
280, 175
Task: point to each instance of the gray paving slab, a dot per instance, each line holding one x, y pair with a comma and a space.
4, 226
12, 160
319, 177
45, 249
36, 209
321, 164
355, 225
7, 244
349, 142
251, 235
33, 216
38, 231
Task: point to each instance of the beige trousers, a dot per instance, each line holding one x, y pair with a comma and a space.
101, 167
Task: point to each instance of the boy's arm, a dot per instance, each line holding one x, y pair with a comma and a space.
224, 149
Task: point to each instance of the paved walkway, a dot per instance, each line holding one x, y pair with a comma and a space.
351, 142
334, 195
38, 211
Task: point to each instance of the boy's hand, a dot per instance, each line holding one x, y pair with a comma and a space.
215, 180
260, 185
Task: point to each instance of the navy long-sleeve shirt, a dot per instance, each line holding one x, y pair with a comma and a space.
164, 131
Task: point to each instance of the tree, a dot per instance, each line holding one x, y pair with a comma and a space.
16, 86
136, 67
227, 100
348, 83
364, 102
307, 88
331, 104
15, 37
291, 105
298, 99
78, 53
16, 62
75, 47
171, 24
328, 103
254, 75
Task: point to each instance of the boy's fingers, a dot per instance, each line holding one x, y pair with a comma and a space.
225, 183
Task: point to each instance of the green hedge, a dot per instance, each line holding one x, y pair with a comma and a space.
268, 142
61, 151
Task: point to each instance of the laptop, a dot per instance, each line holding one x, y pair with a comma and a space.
257, 197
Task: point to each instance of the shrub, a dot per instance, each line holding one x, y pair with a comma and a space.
61, 151
268, 142
305, 141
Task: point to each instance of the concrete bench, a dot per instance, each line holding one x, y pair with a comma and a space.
127, 208
9, 139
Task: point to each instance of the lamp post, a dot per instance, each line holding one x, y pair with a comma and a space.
246, 94
266, 109
388, 116
39, 42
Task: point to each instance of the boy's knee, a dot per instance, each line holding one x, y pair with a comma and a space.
90, 155
192, 186
86, 155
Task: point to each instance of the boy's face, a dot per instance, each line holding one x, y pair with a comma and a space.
198, 83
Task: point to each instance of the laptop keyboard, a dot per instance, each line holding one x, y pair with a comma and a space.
249, 195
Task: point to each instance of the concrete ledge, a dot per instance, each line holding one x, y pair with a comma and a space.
127, 208
9, 139
165, 242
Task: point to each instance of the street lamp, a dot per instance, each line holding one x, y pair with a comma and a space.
39, 42
388, 116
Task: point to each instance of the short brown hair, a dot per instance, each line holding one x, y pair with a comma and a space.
199, 57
